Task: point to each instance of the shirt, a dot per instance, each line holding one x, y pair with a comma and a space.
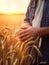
44, 23
38, 14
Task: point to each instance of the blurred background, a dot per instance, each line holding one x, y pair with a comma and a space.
12, 12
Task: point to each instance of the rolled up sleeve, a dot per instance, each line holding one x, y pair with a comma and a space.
30, 12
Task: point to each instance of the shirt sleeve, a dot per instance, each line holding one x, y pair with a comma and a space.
30, 12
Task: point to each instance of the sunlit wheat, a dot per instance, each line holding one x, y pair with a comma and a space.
16, 52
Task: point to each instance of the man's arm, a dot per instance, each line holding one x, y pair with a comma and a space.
44, 31
30, 31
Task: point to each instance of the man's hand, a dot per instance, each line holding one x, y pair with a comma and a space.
26, 31
25, 25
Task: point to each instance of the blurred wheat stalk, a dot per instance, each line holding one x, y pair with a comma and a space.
15, 52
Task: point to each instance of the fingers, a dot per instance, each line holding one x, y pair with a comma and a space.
22, 31
24, 26
23, 34
25, 37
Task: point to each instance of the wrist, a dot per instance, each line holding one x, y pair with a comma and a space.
42, 31
39, 32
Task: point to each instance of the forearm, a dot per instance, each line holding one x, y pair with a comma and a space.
44, 31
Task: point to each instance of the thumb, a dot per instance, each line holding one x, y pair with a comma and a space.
24, 26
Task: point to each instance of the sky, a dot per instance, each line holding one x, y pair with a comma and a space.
12, 6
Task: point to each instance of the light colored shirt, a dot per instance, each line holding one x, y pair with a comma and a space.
38, 14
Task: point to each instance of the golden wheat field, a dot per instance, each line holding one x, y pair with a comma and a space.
12, 50
11, 20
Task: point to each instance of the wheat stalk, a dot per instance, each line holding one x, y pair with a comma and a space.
15, 52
